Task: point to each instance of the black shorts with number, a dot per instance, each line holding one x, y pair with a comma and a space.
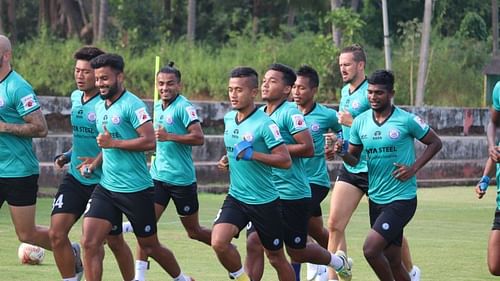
359, 180
266, 218
19, 192
390, 219
72, 197
185, 197
318, 194
496, 221
138, 207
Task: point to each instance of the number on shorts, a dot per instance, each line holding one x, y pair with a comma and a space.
58, 202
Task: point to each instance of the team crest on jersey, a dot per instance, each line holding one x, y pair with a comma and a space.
420, 122
192, 113
169, 119
142, 115
28, 102
355, 104
91, 117
315, 127
394, 134
115, 120
276, 131
2, 102
298, 121
248, 137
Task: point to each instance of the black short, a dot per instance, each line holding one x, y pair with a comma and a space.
496, 221
72, 197
359, 180
318, 194
296, 214
390, 219
138, 207
185, 197
265, 217
19, 192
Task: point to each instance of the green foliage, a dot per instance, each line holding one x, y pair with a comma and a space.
473, 27
348, 21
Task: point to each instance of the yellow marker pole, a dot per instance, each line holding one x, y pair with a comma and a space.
155, 92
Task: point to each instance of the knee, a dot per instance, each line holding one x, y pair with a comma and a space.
89, 243
335, 225
194, 233
57, 237
370, 252
220, 246
116, 243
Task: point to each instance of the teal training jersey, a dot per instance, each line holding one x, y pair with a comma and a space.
251, 181
123, 170
292, 183
320, 120
355, 103
83, 119
17, 99
495, 97
173, 163
385, 144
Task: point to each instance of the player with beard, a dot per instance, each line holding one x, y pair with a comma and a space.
177, 130
125, 133
292, 183
352, 182
386, 134
83, 174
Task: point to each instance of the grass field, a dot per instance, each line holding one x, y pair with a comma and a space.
448, 239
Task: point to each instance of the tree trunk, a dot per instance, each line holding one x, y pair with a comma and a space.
494, 26
11, 16
71, 11
95, 20
103, 20
290, 20
2, 30
424, 54
191, 24
56, 18
355, 5
167, 8
336, 34
43, 14
255, 18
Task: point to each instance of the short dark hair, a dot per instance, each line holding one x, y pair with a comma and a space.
246, 72
382, 77
357, 51
288, 74
311, 73
169, 68
112, 60
87, 53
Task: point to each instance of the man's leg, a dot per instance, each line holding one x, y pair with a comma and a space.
412, 269
165, 258
60, 225
228, 255
393, 255
254, 261
95, 231
373, 249
494, 252
23, 219
194, 230
123, 255
283, 268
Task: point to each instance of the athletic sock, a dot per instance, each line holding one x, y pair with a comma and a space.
336, 262
182, 277
240, 275
140, 270
296, 269
70, 279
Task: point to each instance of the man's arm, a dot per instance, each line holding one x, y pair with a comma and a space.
193, 137
304, 146
279, 157
35, 126
145, 140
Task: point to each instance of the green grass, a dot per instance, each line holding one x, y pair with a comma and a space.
448, 240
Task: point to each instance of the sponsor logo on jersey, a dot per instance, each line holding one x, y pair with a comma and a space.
28, 102
91, 117
355, 104
315, 127
394, 134
420, 122
276, 131
298, 121
377, 135
169, 119
115, 120
142, 115
192, 113
248, 137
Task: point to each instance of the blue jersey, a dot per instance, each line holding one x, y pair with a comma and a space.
123, 170
83, 119
355, 102
17, 99
320, 120
251, 181
385, 144
173, 163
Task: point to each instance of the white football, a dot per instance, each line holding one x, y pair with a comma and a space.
30, 254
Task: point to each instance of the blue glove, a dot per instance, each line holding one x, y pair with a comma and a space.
484, 183
66, 155
244, 147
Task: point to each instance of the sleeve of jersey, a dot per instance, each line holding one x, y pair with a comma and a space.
296, 123
139, 114
333, 121
271, 134
354, 133
417, 126
495, 97
27, 101
189, 115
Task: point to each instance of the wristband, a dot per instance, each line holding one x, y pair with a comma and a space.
484, 183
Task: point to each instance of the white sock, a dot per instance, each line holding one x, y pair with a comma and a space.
182, 277
70, 279
237, 274
127, 227
336, 262
333, 280
140, 270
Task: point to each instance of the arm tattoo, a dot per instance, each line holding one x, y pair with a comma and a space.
35, 126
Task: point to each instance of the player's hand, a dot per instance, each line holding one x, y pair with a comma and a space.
62, 159
330, 138
86, 167
161, 134
223, 163
345, 118
402, 172
494, 153
482, 186
104, 140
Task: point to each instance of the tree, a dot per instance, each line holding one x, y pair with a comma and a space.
2, 30
191, 24
11, 15
424, 53
103, 20
336, 34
